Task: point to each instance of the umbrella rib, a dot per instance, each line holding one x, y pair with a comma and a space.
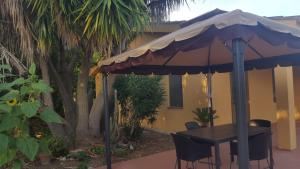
227, 47
170, 58
253, 49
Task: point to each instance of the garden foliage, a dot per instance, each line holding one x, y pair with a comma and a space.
139, 97
19, 102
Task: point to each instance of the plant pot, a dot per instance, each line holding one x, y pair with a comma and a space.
44, 159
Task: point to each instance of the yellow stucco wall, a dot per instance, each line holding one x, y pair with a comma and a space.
296, 71
194, 95
261, 101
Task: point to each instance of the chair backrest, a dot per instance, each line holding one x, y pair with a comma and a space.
189, 150
192, 125
258, 147
260, 123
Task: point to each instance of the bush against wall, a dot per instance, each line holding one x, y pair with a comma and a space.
139, 97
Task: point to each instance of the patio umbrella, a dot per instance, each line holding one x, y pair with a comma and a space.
235, 41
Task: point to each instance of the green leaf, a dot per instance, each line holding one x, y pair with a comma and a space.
4, 142
18, 81
41, 86
17, 164
25, 90
44, 146
5, 67
32, 69
49, 116
7, 156
28, 146
5, 108
5, 86
8, 122
30, 108
16, 111
10, 95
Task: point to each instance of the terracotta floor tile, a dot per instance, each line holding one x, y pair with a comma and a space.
166, 160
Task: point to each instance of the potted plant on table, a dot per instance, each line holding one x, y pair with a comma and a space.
204, 116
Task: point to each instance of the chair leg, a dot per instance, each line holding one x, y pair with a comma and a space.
258, 162
208, 163
178, 162
211, 162
269, 166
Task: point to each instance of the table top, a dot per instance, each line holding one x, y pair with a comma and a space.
222, 133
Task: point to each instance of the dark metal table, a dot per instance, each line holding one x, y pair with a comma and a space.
224, 133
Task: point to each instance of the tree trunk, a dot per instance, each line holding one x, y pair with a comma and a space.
95, 116
82, 129
97, 109
67, 100
97, 106
56, 129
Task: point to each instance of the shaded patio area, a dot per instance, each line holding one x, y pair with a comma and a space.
166, 160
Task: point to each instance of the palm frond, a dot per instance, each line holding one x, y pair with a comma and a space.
161, 9
62, 13
8, 58
108, 22
13, 9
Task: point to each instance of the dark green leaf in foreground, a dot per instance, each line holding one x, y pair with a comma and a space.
49, 116
7, 156
28, 146
3, 142
30, 108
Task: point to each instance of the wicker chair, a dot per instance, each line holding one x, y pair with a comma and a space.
258, 145
190, 151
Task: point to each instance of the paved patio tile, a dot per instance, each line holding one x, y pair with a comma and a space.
166, 160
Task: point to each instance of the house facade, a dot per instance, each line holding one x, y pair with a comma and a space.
273, 94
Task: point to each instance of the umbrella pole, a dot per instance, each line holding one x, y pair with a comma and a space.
106, 119
239, 83
209, 94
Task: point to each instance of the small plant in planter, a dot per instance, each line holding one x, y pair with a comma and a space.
19, 102
203, 115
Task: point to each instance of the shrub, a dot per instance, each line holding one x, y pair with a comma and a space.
132, 135
80, 156
99, 150
19, 102
58, 147
139, 97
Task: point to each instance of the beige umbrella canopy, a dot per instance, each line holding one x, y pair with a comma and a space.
207, 45
234, 41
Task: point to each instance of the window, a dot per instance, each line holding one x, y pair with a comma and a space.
175, 91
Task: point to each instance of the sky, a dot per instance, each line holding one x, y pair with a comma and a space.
259, 7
